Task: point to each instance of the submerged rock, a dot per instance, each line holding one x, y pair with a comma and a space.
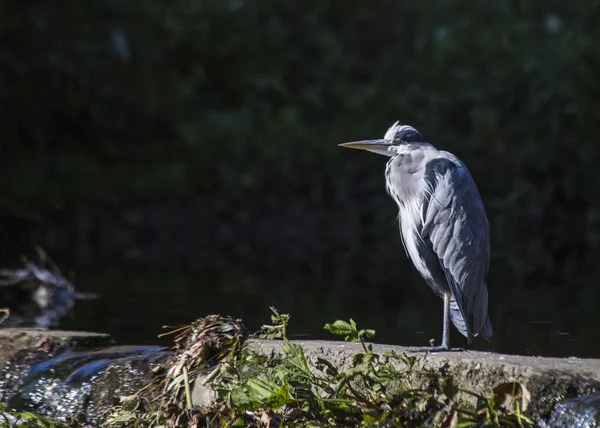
13, 340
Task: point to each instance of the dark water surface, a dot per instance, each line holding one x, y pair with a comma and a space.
136, 303
171, 264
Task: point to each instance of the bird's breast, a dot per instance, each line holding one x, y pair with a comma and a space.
410, 226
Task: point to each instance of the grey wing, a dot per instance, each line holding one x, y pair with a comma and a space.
455, 224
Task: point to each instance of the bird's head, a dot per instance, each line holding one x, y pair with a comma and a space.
395, 137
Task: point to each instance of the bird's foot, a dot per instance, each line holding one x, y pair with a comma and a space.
432, 349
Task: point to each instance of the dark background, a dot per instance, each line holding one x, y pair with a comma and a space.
180, 157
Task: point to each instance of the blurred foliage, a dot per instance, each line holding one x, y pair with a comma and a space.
121, 103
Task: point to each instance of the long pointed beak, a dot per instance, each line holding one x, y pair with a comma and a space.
366, 144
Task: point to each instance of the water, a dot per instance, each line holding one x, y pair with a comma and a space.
76, 384
136, 303
580, 412
37, 295
172, 264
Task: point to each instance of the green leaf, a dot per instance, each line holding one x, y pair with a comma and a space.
268, 392
261, 393
349, 330
328, 368
465, 423
239, 422
341, 387
409, 360
366, 333
448, 387
279, 328
176, 382
373, 419
33, 419
341, 328
261, 389
387, 373
352, 324
296, 359
358, 359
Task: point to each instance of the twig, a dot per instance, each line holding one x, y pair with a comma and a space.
188, 393
6, 312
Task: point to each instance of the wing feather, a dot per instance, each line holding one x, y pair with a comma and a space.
457, 229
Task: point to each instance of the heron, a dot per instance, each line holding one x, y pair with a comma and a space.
443, 226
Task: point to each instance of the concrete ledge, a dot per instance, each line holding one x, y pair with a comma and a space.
13, 340
548, 379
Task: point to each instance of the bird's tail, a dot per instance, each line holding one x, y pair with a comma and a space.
457, 319
487, 330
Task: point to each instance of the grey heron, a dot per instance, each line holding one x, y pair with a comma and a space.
443, 226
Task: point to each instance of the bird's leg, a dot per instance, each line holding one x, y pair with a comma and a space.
446, 328
445, 332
